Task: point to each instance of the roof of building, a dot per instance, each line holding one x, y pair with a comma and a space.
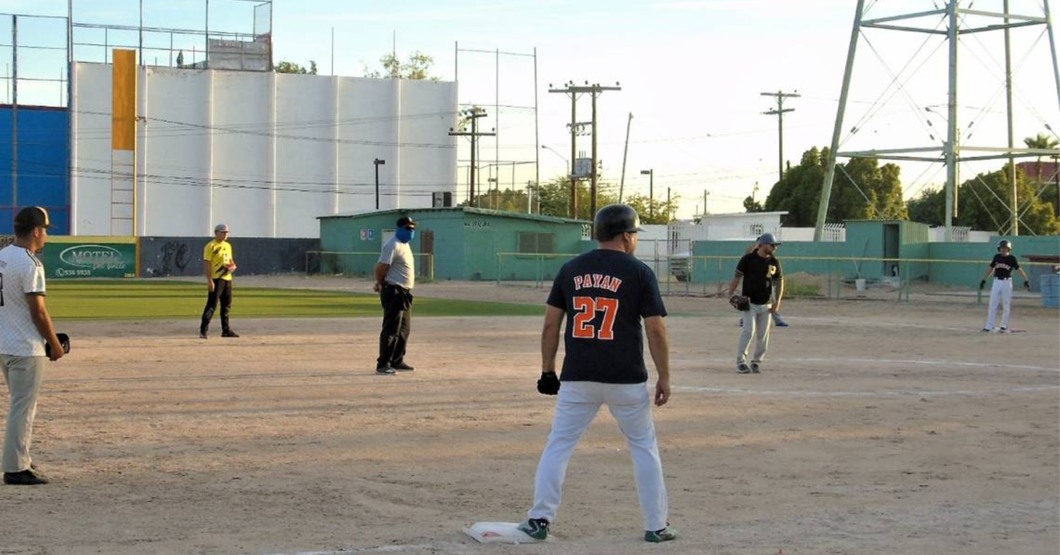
745, 214
465, 210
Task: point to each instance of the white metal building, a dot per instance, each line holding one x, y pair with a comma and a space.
265, 153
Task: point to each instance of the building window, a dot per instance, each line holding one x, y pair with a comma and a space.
532, 242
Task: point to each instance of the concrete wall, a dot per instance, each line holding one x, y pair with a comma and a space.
969, 261
264, 153
182, 256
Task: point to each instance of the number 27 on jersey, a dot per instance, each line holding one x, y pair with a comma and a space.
585, 309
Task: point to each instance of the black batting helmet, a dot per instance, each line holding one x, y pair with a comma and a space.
614, 220
1004, 244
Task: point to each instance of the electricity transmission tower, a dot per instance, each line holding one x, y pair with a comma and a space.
952, 23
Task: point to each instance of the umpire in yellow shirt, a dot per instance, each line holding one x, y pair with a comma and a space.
218, 265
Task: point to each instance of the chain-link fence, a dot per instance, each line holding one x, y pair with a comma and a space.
360, 264
805, 276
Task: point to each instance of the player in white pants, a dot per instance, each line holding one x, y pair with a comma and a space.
1001, 268
604, 295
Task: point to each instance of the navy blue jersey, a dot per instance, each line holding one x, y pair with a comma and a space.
605, 293
1003, 265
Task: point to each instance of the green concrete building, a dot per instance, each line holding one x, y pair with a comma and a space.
461, 243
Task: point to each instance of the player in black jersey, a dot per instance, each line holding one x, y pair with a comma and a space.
1001, 267
604, 294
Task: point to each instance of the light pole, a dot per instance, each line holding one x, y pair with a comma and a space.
651, 191
378, 162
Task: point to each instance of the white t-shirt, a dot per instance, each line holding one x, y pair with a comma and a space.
21, 274
399, 256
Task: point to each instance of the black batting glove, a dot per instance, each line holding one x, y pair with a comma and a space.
1027, 285
548, 384
982, 284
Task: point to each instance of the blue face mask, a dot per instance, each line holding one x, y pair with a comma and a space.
405, 235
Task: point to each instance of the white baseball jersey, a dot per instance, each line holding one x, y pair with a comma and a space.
21, 274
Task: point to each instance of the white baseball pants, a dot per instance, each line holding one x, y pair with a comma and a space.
756, 322
1000, 292
23, 376
576, 407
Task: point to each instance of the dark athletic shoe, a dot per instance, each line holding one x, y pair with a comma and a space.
401, 366
536, 528
662, 535
754, 367
742, 369
229, 333
25, 478
384, 370
202, 335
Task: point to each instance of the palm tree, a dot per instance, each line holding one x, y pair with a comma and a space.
1042, 141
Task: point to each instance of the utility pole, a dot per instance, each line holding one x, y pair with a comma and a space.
573, 91
651, 191
473, 114
378, 162
705, 195
625, 153
779, 112
668, 209
529, 197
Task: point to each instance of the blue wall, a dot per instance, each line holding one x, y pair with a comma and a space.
43, 165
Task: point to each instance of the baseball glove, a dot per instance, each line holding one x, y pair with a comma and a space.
548, 384
740, 302
64, 340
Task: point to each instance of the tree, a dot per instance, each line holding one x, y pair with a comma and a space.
1041, 141
752, 205
928, 208
980, 205
291, 67
417, 68
1049, 191
656, 212
863, 190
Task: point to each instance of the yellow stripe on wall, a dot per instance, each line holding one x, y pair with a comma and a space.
123, 100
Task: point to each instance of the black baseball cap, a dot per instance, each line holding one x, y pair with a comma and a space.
33, 217
406, 221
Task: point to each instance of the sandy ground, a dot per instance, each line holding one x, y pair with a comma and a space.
875, 427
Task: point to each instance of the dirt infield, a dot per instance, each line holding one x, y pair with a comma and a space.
875, 427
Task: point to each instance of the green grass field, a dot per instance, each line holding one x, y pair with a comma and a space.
137, 300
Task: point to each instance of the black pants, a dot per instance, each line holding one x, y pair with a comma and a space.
397, 323
222, 291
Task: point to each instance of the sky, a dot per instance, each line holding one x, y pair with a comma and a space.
691, 73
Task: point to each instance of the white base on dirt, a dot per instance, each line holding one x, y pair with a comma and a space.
498, 532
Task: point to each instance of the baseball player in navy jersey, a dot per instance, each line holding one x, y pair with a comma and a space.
604, 295
1001, 268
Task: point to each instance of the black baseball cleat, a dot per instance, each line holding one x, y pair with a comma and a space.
536, 528
384, 370
754, 367
202, 335
742, 369
229, 333
402, 367
27, 477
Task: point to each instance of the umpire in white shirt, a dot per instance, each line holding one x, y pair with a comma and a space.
395, 276
25, 329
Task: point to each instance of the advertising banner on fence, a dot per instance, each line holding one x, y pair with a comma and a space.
89, 257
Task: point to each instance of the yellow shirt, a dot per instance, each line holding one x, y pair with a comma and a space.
218, 255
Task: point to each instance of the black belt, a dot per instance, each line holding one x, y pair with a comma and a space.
1001, 278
